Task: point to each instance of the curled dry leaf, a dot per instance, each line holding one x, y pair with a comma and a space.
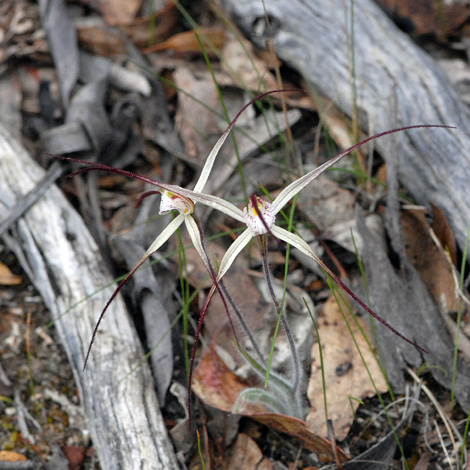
7, 278
216, 385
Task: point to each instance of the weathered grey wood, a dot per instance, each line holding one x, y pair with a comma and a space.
65, 265
397, 85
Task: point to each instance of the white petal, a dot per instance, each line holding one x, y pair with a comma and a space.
232, 252
213, 154
169, 230
207, 199
219, 204
300, 244
195, 236
210, 160
295, 187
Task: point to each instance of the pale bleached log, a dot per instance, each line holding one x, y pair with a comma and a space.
64, 263
397, 85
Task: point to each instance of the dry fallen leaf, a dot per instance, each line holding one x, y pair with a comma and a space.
443, 231
345, 374
7, 278
216, 385
244, 68
152, 29
187, 42
196, 121
245, 455
119, 12
421, 17
99, 39
326, 204
10, 456
428, 259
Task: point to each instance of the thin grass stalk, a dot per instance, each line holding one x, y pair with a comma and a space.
459, 317
199, 450
378, 356
286, 268
465, 435
322, 363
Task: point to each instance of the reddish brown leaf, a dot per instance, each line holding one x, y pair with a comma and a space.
216, 385
101, 41
428, 259
75, 455
153, 29
187, 42
444, 232
422, 17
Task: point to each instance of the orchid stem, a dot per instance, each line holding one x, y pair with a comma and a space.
241, 318
279, 310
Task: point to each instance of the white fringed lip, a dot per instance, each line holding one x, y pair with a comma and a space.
173, 201
255, 214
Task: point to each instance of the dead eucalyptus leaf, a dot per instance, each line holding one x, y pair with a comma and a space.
246, 70
187, 42
429, 260
101, 40
195, 121
326, 204
347, 379
7, 278
402, 299
421, 17
443, 231
245, 455
216, 385
119, 12
62, 39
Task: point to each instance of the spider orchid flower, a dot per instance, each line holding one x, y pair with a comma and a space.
176, 198
260, 215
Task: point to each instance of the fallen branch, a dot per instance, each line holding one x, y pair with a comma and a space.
397, 85
63, 262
